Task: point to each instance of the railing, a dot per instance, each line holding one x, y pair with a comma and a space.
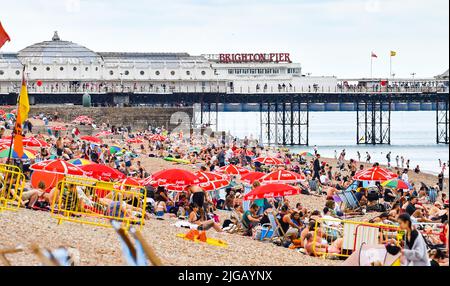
12, 183
260, 89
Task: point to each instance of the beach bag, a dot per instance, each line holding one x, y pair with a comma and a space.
256, 232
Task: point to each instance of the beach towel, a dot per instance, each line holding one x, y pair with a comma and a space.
210, 241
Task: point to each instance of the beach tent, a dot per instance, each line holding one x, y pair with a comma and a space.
369, 255
272, 191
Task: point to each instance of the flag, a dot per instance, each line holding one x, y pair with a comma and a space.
393, 53
374, 55
22, 115
4, 37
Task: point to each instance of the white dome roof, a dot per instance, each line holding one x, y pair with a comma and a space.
58, 52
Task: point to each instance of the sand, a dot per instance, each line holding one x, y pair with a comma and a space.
101, 246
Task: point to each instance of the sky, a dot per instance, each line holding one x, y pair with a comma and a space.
328, 37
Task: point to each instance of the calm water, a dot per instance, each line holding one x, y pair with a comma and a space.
413, 135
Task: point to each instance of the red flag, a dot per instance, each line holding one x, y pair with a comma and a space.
374, 55
4, 37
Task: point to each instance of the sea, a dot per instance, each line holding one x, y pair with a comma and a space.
413, 136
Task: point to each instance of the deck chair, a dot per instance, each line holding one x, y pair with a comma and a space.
136, 253
3, 252
350, 199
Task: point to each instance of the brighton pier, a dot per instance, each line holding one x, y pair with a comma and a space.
62, 72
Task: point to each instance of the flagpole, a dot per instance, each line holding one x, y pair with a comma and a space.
390, 66
15, 123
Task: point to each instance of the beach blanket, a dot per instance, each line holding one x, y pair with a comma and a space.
210, 241
179, 161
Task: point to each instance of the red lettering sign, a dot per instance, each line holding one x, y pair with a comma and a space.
255, 58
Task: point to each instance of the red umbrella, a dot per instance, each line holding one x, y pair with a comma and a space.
375, 174
83, 119
269, 161
247, 152
103, 133
57, 166
176, 177
102, 172
214, 185
92, 139
146, 182
252, 177
34, 142
282, 176
205, 177
234, 170
272, 191
158, 137
130, 182
58, 128
135, 140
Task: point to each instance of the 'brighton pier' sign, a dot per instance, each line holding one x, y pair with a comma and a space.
255, 58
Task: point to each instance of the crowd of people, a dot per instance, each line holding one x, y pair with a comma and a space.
416, 209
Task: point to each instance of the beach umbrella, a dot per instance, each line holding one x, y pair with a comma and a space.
2, 112
234, 170
269, 161
205, 177
80, 162
375, 174
135, 141
158, 137
92, 139
26, 154
214, 185
248, 153
34, 142
396, 184
102, 172
103, 133
272, 191
176, 177
147, 181
306, 154
129, 181
58, 128
49, 179
282, 177
250, 178
57, 166
115, 149
8, 116
83, 120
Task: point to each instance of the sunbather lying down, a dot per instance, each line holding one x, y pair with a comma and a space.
319, 245
75, 199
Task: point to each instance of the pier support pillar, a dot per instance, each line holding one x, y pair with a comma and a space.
284, 122
373, 120
442, 124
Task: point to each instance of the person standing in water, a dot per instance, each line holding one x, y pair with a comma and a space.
388, 157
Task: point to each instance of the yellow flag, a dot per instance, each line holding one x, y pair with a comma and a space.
24, 104
22, 115
393, 53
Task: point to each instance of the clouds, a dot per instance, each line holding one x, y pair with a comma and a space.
329, 37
